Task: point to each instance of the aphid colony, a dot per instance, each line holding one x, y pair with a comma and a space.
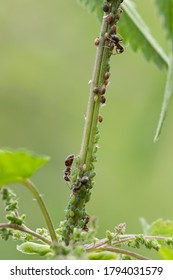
111, 17
112, 42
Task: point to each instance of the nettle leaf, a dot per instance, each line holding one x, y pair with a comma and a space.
18, 165
166, 253
166, 99
34, 248
134, 30
93, 6
166, 11
161, 227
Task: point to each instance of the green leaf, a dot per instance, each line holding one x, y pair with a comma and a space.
34, 248
18, 165
166, 11
166, 253
166, 99
133, 29
161, 227
93, 6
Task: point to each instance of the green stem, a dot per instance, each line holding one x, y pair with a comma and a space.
122, 251
43, 208
93, 106
123, 239
26, 230
75, 212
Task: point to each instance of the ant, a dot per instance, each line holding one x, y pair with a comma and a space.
68, 164
114, 41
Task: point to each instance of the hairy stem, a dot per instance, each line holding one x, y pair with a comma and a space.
26, 230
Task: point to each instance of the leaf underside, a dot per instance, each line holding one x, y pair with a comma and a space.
165, 9
18, 165
134, 30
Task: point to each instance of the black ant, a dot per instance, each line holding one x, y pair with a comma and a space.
68, 164
116, 41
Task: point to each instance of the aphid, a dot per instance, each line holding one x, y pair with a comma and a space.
69, 160
109, 19
107, 75
103, 99
84, 180
117, 16
114, 29
95, 89
100, 118
97, 41
102, 89
105, 8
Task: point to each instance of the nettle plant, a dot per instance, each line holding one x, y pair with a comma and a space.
76, 238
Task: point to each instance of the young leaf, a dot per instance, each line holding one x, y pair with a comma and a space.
161, 227
166, 11
133, 29
18, 165
34, 248
166, 99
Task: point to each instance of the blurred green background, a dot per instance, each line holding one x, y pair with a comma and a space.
46, 60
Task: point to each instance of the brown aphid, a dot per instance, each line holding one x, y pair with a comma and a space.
100, 119
114, 29
102, 99
97, 41
96, 90
102, 89
106, 82
117, 16
69, 160
107, 75
106, 36
109, 19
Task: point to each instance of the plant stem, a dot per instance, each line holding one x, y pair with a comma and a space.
122, 251
84, 168
123, 239
27, 230
43, 208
